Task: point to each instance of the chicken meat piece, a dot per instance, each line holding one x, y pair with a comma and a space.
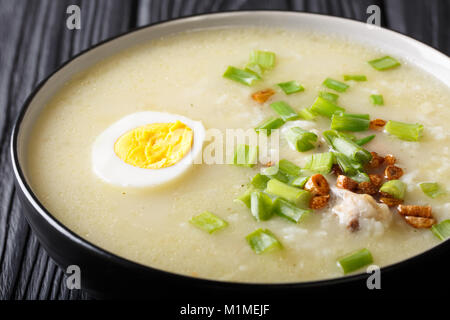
358, 210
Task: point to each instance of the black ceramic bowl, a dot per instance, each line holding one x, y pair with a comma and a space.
104, 274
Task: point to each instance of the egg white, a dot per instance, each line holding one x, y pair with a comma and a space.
110, 168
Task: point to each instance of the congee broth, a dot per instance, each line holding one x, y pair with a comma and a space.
361, 176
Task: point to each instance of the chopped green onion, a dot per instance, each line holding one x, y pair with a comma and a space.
360, 177
300, 182
254, 68
384, 63
262, 241
245, 198
431, 189
289, 168
245, 155
335, 85
208, 222
268, 125
355, 77
260, 205
274, 172
355, 260
306, 114
284, 110
348, 135
300, 139
364, 116
289, 211
347, 166
377, 99
320, 163
295, 195
442, 229
405, 131
325, 107
395, 188
291, 87
242, 76
363, 141
348, 122
259, 181
346, 146
265, 59
332, 97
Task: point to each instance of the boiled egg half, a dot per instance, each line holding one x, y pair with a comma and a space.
147, 149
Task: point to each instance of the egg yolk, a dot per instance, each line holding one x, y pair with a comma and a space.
155, 146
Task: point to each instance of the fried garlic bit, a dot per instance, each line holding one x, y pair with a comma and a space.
417, 216
347, 183
377, 124
376, 161
317, 185
319, 202
393, 172
320, 190
263, 95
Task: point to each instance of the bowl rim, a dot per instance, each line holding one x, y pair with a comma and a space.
132, 265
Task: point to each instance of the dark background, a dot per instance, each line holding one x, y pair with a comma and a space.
34, 41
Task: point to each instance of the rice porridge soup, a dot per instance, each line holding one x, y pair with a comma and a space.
360, 174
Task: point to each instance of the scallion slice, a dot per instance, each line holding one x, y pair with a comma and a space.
300, 139
263, 241
355, 260
325, 107
284, 110
348, 147
335, 85
442, 229
348, 122
295, 195
364, 116
265, 59
306, 114
268, 125
395, 188
259, 181
363, 141
405, 131
242, 76
360, 176
333, 97
260, 205
320, 163
289, 211
245, 155
208, 222
291, 87
355, 77
245, 198
300, 182
431, 189
377, 99
254, 68
289, 168
384, 63
347, 166
274, 172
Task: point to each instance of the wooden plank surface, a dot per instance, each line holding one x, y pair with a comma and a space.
34, 41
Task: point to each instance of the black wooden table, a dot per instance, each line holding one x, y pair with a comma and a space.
34, 40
